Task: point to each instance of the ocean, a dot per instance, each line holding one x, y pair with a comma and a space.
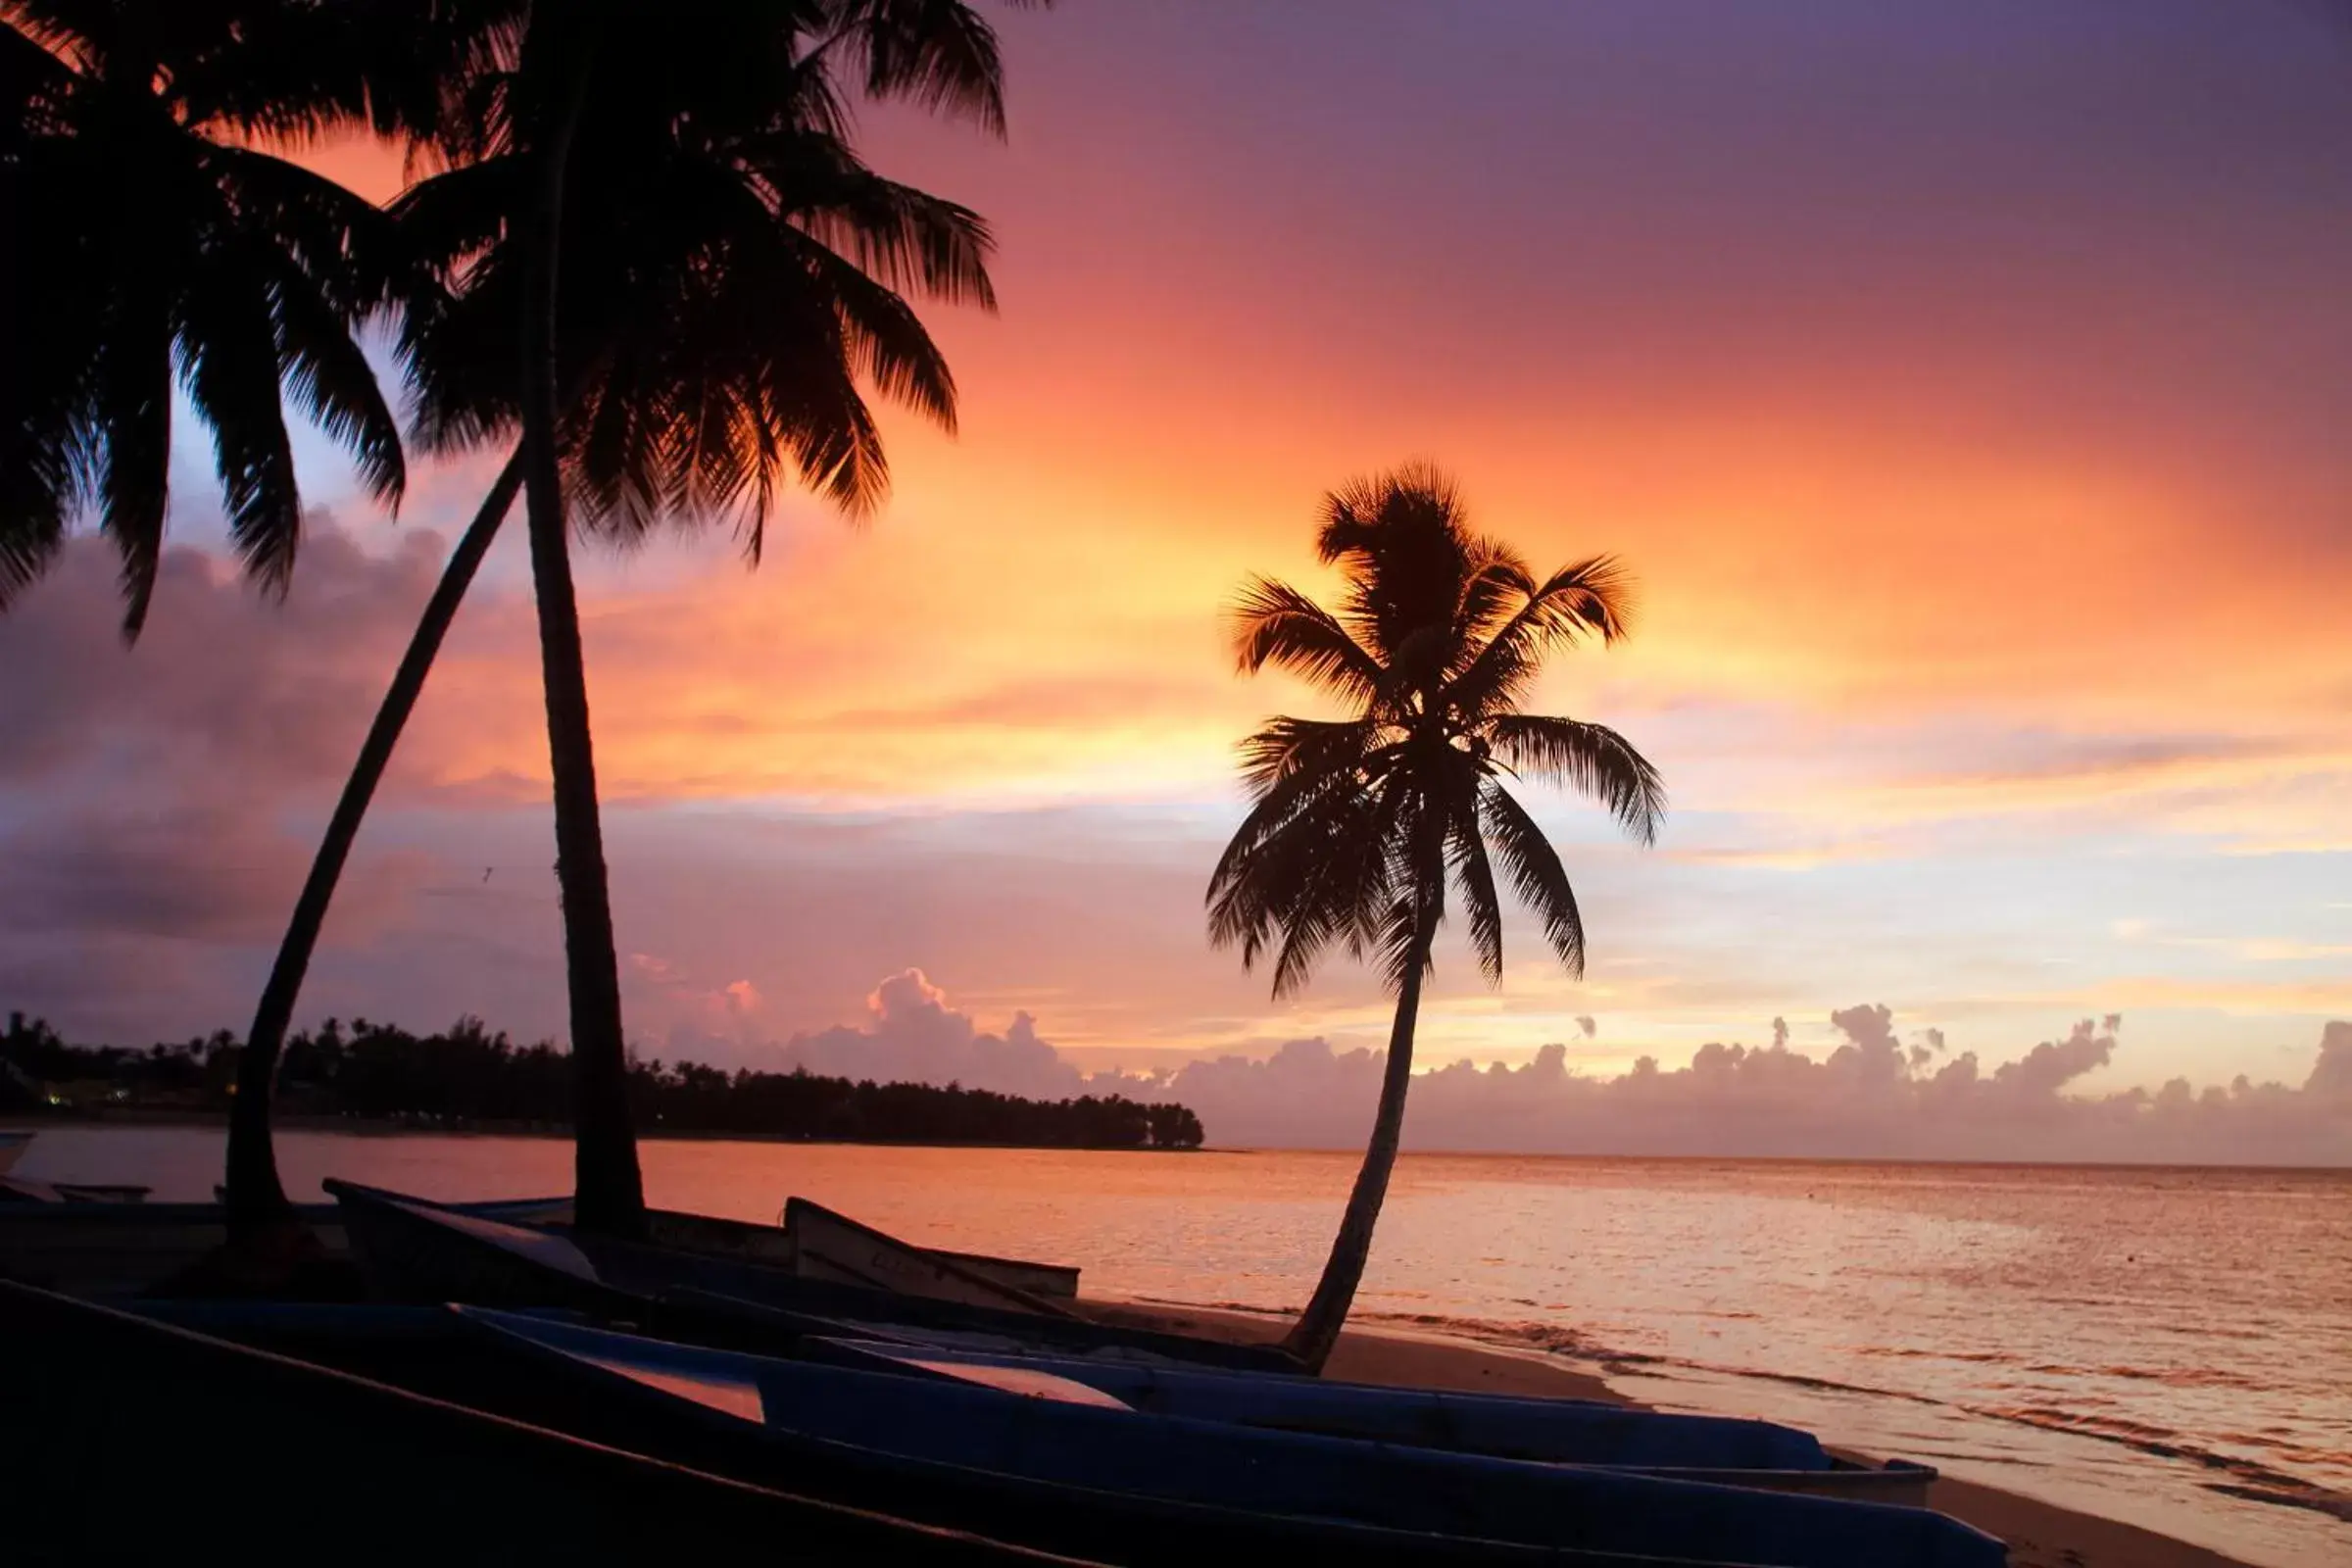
2167, 1346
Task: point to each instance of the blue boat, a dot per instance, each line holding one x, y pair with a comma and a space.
436, 1350
415, 1251
1690, 1447
1045, 1427
112, 1249
129, 1440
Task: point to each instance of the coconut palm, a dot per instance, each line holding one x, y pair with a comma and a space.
1359, 824
145, 247
730, 274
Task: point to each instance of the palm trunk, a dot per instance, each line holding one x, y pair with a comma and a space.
1317, 1330
255, 1197
609, 1194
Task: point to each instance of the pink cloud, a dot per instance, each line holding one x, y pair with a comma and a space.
911, 1035
1870, 1099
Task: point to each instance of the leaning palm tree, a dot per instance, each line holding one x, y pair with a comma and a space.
1359, 824
730, 274
144, 248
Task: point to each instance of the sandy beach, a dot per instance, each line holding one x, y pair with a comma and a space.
2039, 1535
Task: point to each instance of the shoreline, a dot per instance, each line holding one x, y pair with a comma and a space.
134, 1116
129, 1118
2040, 1534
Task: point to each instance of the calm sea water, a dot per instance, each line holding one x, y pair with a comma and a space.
2172, 1347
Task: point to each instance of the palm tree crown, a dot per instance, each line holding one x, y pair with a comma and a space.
728, 283
1359, 823
142, 246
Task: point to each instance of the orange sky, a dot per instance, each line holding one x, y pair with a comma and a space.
1966, 391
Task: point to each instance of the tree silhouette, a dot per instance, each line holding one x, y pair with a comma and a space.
144, 248
731, 274
1359, 824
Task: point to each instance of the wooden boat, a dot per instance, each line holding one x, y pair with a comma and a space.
27, 1190
12, 1147
417, 1250
777, 1246
780, 1247
829, 1245
1049, 1429
435, 1351
117, 1249
1690, 1447
129, 1440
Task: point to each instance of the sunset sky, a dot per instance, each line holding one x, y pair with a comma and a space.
1969, 388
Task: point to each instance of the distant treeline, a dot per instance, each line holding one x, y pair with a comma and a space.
467, 1076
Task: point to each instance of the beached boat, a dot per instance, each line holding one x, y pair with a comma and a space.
130, 1441
417, 1250
12, 1147
829, 1245
102, 1249
777, 1246
436, 1352
27, 1190
1693, 1447
1045, 1427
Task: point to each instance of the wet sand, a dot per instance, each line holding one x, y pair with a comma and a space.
2039, 1535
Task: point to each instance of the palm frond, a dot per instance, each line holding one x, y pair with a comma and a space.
1494, 585
1536, 873
229, 365
888, 342
1594, 596
1284, 747
1466, 852
1592, 759
940, 55
1274, 623
905, 238
129, 436
335, 386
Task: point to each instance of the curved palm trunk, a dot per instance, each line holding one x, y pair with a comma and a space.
1317, 1330
609, 1195
255, 1197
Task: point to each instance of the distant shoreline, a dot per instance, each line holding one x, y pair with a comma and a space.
383, 1128
392, 1127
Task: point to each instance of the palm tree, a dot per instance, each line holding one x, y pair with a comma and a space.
1358, 825
144, 247
730, 273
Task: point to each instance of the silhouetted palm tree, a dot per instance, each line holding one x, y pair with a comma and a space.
1359, 823
730, 271
144, 248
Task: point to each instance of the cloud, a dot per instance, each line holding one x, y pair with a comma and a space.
911, 1035
159, 801
2331, 1077
1587, 1027
1869, 1099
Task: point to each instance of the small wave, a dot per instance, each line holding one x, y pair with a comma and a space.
1557, 1339
1249, 1307
2249, 1479
2186, 1377
1800, 1380
2316, 1498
